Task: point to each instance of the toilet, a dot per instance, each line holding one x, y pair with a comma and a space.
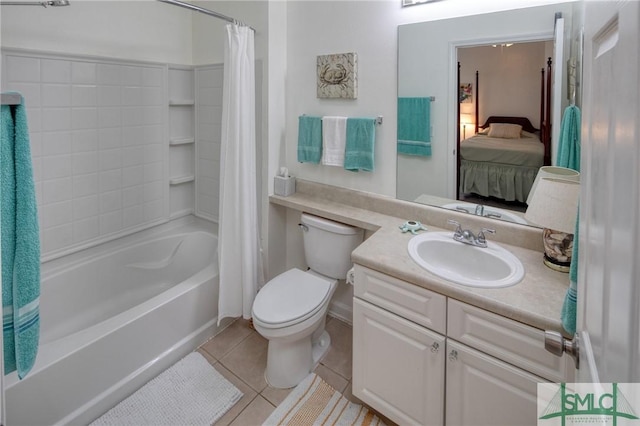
290, 310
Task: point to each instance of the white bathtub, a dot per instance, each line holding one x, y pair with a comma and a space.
114, 316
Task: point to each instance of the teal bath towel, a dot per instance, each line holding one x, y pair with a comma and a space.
568, 314
360, 145
569, 156
414, 126
569, 143
20, 244
309, 139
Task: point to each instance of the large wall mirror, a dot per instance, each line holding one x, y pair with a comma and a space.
471, 71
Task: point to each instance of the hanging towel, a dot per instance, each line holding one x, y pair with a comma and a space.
359, 149
568, 314
569, 156
569, 142
20, 244
334, 139
414, 126
309, 139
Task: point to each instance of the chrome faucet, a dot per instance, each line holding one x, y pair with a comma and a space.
466, 236
479, 210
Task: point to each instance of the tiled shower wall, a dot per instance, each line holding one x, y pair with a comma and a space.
209, 81
98, 142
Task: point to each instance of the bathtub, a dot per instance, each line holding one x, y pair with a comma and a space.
113, 317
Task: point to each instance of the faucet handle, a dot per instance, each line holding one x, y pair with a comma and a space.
458, 230
481, 237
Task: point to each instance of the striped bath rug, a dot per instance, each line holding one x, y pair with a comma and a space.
314, 402
191, 392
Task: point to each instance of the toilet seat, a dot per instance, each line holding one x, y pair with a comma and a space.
290, 298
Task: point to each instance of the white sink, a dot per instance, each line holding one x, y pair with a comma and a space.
490, 267
493, 212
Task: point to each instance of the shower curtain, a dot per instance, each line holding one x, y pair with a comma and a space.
239, 254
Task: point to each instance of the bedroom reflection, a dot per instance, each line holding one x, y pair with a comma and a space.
503, 123
509, 78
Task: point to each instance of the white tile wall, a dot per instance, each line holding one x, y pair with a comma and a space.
208, 130
98, 140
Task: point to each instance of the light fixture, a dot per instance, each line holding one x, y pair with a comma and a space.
465, 120
554, 206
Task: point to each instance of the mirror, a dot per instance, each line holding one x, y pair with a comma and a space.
428, 56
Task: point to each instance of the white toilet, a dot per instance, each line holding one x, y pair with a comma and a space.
290, 310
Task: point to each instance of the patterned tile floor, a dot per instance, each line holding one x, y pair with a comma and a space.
239, 353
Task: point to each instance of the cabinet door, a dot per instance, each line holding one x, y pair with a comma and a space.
482, 390
398, 366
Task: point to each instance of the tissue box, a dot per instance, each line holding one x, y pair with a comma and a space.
284, 186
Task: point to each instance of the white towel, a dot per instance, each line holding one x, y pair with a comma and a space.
334, 139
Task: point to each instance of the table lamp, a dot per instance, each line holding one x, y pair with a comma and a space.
554, 206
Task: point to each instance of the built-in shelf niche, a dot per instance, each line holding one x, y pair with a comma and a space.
182, 140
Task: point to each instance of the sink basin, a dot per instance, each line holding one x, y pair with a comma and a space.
493, 212
490, 267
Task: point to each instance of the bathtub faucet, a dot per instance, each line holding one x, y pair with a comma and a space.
479, 210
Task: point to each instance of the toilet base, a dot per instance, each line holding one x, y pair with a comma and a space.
289, 362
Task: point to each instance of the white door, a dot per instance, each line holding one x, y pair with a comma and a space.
609, 272
557, 95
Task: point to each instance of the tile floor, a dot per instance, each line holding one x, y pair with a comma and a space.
239, 353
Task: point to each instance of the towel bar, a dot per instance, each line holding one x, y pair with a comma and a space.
378, 119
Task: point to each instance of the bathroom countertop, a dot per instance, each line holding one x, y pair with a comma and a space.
536, 301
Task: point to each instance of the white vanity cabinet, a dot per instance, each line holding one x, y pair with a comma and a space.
420, 358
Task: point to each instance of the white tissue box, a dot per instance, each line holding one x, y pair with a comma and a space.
284, 186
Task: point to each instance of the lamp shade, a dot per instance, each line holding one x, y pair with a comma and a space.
466, 119
554, 204
553, 172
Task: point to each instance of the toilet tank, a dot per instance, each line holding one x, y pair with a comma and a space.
328, 245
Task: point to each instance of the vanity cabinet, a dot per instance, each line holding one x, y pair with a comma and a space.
421, 358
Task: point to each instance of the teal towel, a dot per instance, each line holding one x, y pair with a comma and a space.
569, 156
20, 244
568, 313
309, 139
360, 145
414, 126
569, 142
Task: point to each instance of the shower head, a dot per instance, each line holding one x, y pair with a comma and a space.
47, 3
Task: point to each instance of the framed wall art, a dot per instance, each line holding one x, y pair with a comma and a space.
466, 93
337, 76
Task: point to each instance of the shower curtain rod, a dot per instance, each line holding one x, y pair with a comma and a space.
205, 11
54, 3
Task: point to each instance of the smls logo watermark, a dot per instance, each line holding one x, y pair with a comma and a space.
575, 404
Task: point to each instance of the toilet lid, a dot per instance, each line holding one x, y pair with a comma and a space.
289, 296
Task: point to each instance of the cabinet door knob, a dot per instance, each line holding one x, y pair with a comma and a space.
453, 355
435, 347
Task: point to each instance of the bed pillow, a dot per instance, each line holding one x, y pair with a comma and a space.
505, 130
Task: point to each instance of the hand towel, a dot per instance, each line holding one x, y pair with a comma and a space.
359, 148
334, 139
20, 244
568, 313
309, 139
414, 126
569, 156
569, 141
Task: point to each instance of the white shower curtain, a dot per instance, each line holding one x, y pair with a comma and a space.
241, 270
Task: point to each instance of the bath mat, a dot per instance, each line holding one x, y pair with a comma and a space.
314, 402
191, 392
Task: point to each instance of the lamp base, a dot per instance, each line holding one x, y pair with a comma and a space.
558, 248
556, 265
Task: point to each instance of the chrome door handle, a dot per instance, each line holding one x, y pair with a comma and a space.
557, 345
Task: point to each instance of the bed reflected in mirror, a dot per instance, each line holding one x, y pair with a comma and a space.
491, 119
